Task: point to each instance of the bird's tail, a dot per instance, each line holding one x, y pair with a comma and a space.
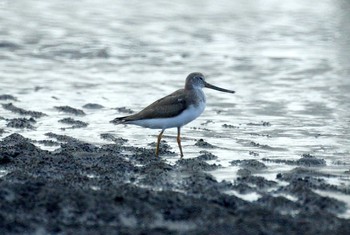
119, 120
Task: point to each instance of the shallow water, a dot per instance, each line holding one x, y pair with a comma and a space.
288, 63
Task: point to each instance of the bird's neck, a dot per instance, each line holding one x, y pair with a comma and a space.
199, 95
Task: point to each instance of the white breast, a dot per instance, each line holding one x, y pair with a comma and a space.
188, 115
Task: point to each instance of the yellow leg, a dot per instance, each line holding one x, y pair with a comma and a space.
159, 138
179, 141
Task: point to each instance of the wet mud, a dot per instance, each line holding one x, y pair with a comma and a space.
74, 123
124, 110
70, 110
21, 123
118, 189
21, 111
93, 106
7, 97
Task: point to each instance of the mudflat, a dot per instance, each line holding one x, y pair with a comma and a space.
117, 189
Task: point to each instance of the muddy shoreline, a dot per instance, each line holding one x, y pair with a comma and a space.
271, 159
118, 189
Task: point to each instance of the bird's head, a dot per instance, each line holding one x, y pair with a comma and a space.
197, 81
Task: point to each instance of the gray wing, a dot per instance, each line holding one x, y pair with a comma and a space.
168, 106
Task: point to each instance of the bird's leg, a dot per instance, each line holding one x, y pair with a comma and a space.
159, 138
179, 141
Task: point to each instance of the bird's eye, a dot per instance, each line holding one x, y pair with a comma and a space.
200, 78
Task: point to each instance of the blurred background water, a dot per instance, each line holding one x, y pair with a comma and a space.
288, 62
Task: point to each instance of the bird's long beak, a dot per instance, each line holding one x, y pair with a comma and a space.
217, 88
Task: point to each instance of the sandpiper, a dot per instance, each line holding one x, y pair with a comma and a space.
174, 110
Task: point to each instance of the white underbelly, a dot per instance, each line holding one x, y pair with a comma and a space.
191, 113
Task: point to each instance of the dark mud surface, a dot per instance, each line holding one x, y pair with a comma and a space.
74, 123
21, 123
70, 110
21, 111
305, 160
203, 144
93, 106
115, 189
7, 97
124, 110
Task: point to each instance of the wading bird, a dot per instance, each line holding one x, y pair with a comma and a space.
174, 110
